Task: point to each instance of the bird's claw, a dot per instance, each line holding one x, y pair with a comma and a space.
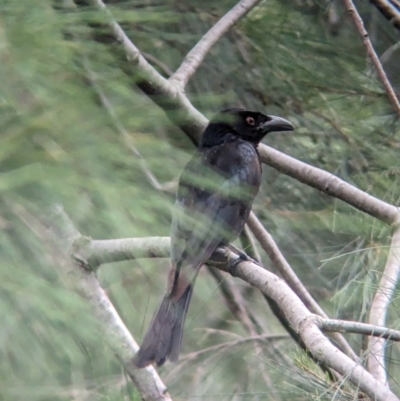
233, 263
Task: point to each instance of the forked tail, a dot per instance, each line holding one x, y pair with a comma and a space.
164, 336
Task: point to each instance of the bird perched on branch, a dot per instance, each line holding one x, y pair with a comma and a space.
215, 195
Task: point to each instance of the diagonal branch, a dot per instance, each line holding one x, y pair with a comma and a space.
234, 301
195, 57
358, 22
329, 184
298, 315
152, 83
169, 186
379, 306
238, 307
112, 328
318, 344
269, 338
268, 244
389, 10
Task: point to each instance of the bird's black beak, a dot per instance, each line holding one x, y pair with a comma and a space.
276, 124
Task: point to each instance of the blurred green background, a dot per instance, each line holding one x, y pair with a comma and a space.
59, 145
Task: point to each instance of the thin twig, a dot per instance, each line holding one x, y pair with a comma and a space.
194, 58
329, 325
249, 236
234, 300
234, 343
268, 244
379, 306
237, 305
169, 186
160, 64
372, 54
334, 125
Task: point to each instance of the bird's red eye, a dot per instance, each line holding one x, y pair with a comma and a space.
250, 120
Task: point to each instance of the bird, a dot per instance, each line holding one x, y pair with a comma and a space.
215, 194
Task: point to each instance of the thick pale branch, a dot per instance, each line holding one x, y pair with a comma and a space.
298, 315
389, 11
329, 184
93, 253
153, 84
316, 342
237, 305
268, 244
133, 55
372, 54
195, 57
379, 306
112, 328
119, 338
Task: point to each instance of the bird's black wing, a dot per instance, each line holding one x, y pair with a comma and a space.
214, 199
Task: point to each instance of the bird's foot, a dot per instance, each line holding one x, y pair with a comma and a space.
234, 262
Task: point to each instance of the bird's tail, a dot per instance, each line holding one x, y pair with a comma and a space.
164, 336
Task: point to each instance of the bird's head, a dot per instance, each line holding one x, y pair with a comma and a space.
249, 125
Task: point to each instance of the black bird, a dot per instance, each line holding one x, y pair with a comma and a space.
215, 195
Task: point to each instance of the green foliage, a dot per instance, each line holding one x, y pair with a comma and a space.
58, 144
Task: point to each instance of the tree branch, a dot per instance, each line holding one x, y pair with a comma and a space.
389, 11
116, 334
329, 325
234, 300
268, 244
358, 22
194, 58
152, 83
271, 285
238, 307
94, 253
269, 338
124, 133
379, 306
318, 344
330, 184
